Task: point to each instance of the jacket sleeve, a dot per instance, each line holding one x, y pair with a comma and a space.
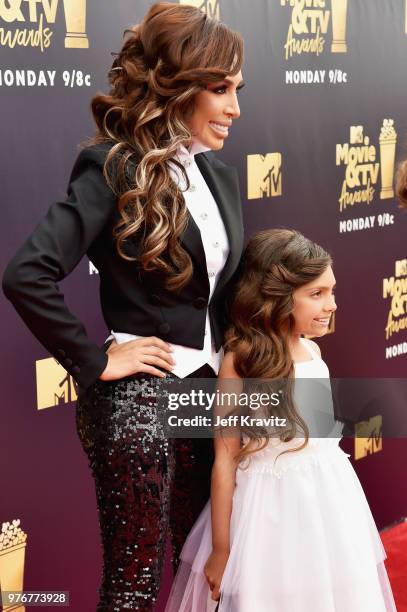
49, 254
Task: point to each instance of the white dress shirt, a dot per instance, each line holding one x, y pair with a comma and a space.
204, 210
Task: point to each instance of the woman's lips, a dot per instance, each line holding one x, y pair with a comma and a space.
219, 128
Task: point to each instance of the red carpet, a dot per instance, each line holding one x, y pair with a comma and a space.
395, 543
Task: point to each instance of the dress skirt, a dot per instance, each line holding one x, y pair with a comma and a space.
303, 539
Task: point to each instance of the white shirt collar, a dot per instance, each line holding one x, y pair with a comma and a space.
195, 147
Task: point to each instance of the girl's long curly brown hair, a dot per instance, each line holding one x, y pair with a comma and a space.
401, 183
172, 55
275, 263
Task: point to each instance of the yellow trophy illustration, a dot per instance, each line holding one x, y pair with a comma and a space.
75, 19
12, 555
339, 13
210, 7
388, 140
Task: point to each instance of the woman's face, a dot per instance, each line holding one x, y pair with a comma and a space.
314, 304
214, 110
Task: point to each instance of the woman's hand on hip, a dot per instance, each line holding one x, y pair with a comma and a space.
143, 355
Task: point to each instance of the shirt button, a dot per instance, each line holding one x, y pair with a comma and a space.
187, 163
211, 274
204, 216
192, 188
215, 244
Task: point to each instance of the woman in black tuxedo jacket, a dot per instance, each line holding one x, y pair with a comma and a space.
160, 218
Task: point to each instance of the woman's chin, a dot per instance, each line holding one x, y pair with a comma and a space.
212, 142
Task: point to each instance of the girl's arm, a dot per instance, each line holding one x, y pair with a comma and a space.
222, 488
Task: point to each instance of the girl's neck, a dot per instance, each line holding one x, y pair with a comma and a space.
296, 347
294, 340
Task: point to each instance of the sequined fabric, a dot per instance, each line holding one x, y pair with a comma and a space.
146, 486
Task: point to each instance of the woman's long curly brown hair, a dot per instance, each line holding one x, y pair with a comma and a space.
172, 55
275, 263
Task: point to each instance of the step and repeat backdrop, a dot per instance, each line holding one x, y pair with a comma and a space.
323, 125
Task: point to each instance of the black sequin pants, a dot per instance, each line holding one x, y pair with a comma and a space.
146, 486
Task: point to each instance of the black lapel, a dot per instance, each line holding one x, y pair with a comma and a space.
192, 241
224, 186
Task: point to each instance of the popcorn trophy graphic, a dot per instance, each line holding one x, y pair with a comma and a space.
339, 12
12, 556
388, 140
210, 7
75, 18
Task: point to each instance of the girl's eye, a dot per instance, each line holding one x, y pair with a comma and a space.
317, 293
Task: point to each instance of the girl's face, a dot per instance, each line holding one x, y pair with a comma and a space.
214, 110
314, 304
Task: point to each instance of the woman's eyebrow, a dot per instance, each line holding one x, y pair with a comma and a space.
241, 84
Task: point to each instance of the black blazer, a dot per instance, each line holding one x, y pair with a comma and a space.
132, 300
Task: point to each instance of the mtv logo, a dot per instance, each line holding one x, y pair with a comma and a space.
356, 134
54, 385
368, 437
264, 176
210, 7
93, 269
401, 267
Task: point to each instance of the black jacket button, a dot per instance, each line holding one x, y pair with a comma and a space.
60, 352
155, 299
163, 329
200, 303
68, 362
76, 370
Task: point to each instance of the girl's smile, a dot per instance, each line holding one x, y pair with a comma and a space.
324, 321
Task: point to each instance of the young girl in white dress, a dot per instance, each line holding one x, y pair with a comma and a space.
293, 534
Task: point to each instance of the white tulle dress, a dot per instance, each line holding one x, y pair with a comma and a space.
303, 538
